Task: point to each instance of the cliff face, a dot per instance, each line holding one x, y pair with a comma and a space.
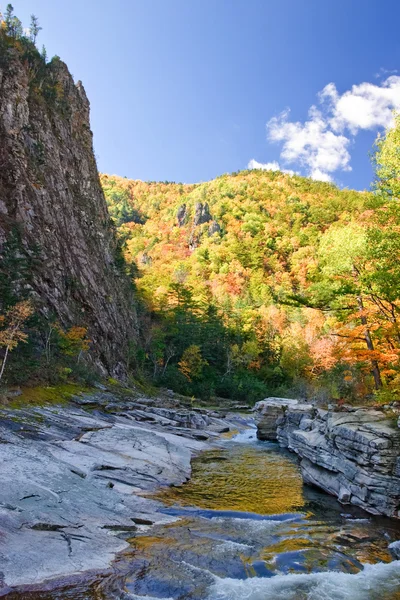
353, 455
50, 194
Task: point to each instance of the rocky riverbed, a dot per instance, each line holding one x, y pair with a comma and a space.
353, 454
73, 476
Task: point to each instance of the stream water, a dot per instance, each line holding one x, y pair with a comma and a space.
249, 529
246, 528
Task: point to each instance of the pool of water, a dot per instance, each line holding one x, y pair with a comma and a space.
248, 528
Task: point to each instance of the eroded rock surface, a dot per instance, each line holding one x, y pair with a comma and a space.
71, 479
53, 214
202, 213
353, 455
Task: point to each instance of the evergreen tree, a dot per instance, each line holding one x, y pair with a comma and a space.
34, 29
8, 17
44, 54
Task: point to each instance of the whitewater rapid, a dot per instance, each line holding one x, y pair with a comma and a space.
249, 530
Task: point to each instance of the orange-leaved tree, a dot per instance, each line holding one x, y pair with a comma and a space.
74, 341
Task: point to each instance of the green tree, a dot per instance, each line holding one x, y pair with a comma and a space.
34, 29
13, 24
8, 17
192, 363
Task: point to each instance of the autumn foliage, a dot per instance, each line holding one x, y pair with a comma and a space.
12, 329
302, 278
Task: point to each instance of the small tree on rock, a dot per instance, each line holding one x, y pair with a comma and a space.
34, 29
11, 328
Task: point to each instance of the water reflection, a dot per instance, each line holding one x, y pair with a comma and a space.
250, 529
244, 479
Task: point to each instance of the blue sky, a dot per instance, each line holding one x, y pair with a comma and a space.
182, 90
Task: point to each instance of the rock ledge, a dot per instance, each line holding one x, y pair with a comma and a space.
353, 455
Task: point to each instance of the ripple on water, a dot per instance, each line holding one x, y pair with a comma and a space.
249, 529
249, 480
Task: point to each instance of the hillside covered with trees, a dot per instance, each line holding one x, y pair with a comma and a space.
255, 283
262, 282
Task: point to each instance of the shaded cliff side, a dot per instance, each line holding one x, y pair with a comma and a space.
52, 206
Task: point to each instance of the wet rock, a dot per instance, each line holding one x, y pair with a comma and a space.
394, 548
72, 479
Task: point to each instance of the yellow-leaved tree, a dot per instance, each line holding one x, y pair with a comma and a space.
11, 328
192, 363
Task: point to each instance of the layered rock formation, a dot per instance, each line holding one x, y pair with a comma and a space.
72, 479
202, 214
354, 455
52, 203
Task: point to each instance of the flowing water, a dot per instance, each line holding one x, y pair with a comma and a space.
246, 528
249, 529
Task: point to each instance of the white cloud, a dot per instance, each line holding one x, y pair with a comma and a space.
319, 175
320, 145
311, 144
270, 166
385, 72
365, 106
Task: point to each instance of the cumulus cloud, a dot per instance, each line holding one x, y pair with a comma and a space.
269, 166
311, 144
365, 106
320, 145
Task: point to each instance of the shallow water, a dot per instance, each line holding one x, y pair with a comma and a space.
249, 529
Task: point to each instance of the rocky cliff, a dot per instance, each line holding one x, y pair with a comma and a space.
352, 454
51, 202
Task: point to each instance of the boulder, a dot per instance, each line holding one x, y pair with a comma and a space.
268, 412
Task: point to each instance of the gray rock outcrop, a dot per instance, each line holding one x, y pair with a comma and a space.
52, 203
353, 455
181, 215
202, 214
72, 479
214, 227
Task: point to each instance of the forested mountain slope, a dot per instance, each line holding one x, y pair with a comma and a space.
256, 281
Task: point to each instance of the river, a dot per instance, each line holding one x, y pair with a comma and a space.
246, 528
249, 529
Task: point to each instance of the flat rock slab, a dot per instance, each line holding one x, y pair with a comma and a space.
72, 479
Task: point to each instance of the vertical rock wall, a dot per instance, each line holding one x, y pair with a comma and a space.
353, 455
51, 196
